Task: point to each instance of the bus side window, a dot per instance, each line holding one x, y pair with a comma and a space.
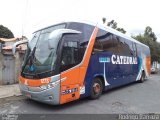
125, 48
116, 44
105, 42
108, 44
69, 56
139, 49
82, 49
97, 47
101, 35
134, 49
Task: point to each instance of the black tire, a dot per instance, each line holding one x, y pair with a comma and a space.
142, 77
96, 88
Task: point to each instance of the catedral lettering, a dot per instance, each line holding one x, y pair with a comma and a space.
73, 60
116, 59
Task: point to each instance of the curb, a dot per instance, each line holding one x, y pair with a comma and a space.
9, 91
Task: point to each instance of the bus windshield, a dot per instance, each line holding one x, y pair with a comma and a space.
40, 56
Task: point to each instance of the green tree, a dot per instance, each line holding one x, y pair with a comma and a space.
121, 30
5, 32
113, 24
148, 39
149, 33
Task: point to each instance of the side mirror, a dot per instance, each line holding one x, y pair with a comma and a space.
56, 35
53, 39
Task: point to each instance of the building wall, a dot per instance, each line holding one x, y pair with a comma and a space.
10, 67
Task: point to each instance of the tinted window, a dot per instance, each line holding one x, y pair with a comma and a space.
125, 47
108, 43
140, 49
69, 55
114, 44
134, 49
84, 37
97, 46
105, 41
86, 30
129, 44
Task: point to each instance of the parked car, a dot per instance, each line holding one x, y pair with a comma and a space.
153, 70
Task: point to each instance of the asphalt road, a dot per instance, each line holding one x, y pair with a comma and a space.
132, 98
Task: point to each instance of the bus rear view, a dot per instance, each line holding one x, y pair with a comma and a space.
67, 61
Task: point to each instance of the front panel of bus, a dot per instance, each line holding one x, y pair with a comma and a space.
53, 70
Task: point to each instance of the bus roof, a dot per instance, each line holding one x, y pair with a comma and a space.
101, 26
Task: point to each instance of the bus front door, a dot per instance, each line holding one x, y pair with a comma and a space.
70, 87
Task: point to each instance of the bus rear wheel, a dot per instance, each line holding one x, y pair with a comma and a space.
96, 88
142, 77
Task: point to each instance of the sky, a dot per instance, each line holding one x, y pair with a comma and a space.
23, 17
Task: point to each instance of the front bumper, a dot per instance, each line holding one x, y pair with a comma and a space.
49, 96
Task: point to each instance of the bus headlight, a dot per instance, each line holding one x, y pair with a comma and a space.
48, 86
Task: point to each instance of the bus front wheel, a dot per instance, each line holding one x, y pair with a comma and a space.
96, 88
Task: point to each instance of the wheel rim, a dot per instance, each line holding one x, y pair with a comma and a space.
96, 88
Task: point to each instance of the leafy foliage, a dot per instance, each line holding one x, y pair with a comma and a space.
121, 30
148, 33
5, 32
113, 24
149, 38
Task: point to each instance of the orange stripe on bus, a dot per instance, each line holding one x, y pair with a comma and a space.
148, 64
76, 75
84, 66
33, 82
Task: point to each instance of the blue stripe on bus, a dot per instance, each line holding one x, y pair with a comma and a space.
116, 74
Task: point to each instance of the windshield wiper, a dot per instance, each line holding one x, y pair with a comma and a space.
29, 58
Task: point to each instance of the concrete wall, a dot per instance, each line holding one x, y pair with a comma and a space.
10, 67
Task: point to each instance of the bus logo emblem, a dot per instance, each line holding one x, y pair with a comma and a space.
104, 59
